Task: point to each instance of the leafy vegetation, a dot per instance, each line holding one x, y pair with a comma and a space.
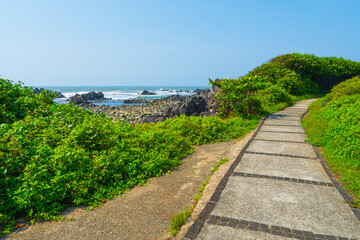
60, 155
16, 101
281, 81
333, 123
301, 74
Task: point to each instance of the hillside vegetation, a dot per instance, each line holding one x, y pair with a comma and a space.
334, 124
281, 81
53, 156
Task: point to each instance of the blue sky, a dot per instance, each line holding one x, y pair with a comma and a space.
172, 43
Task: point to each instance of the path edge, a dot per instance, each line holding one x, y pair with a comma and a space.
346, 196
195, 228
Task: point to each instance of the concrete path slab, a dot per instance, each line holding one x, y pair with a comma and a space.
278, 189
294, 111
306, 169
284, 117
268, 128
282, 122
295, 149
306, 207
281, 136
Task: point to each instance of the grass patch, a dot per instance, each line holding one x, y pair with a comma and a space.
180, 218
333, 123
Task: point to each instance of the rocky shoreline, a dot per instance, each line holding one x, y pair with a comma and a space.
154, 110
202, 103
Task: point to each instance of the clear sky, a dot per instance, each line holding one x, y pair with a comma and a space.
168, 42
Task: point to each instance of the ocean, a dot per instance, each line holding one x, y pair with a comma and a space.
118, 94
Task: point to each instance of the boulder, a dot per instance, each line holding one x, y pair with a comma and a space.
86, 98
146, 92
192, 106
92, 95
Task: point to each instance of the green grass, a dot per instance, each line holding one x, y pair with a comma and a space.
333, 123
180, 218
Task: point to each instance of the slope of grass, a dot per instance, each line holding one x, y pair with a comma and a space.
333, 123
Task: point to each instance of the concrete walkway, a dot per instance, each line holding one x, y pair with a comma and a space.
279, 187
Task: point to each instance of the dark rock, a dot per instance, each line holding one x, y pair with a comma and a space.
92, 95
175, 98
192, 106
154, 119
146, 92
87, 98
195, 105
58, 94
199, 91
135, 101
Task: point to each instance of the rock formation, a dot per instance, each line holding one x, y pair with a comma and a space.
58, 94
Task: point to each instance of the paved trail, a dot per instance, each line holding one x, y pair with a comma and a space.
278, 188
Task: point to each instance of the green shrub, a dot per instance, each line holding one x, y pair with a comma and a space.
301, 74
16, 101
325, 71
274, 95
347, 88
237, 96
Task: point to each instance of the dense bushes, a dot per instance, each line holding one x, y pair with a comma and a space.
334, 124
278, 83
250, 95
301, 74
237, 96
16, 101
61, 155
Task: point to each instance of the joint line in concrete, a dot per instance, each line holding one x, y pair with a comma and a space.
282, 132
271, 140
287, 179
269, 229
281, 125
280, 155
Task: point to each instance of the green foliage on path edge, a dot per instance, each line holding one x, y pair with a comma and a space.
333, 123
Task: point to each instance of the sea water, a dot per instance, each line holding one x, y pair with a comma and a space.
118, 94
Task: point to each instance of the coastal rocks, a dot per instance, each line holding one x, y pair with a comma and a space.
58, 94
192, 106
146, 92
157, 110
131, 113
87, 98
135, 101
199, 91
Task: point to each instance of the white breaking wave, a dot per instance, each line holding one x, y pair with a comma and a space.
121, 95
